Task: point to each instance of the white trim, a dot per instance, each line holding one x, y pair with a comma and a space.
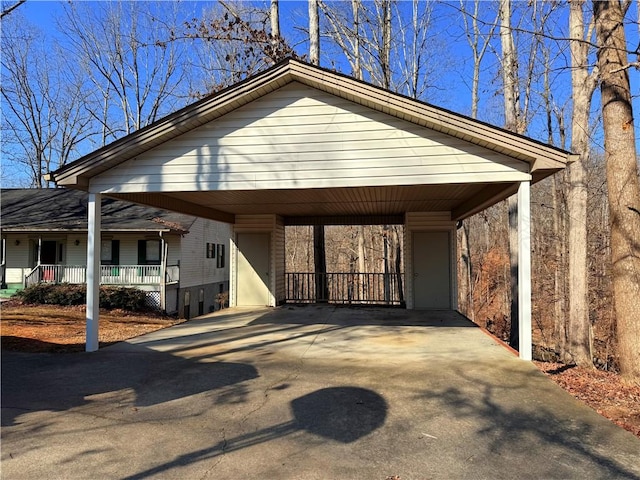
524, 271
93, 272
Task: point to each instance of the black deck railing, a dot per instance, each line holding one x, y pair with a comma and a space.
346, 288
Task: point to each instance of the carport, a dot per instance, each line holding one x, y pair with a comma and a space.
298, 144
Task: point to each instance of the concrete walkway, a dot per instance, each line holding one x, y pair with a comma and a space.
302, 393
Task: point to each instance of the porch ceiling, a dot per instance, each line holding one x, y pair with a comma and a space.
461, 200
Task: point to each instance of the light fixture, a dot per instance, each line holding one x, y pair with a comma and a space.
77, 242
17, 242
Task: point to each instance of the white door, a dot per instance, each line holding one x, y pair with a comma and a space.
431, 270
253, 269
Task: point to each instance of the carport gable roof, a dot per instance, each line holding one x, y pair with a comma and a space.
543, 159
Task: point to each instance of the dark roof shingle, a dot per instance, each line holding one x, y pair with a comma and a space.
61, 209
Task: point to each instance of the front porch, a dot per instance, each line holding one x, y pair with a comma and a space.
121, 275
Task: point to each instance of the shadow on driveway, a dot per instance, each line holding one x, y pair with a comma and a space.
32, 382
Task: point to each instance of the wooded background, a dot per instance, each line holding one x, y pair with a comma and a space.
564, 73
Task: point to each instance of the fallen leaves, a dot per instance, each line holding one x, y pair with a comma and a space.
605, 392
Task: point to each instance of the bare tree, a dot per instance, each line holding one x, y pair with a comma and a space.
126, 54
232, 41
583, 82
43, 119
512, 122
622, 179
6, 11
478, 42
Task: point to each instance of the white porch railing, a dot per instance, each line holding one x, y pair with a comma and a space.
109, 274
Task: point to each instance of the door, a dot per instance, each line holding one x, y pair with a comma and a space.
431, 270
253, 270
49, 253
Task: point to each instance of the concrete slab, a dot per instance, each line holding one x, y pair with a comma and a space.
302, 393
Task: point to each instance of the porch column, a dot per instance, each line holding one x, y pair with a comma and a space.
524, 271
93, 272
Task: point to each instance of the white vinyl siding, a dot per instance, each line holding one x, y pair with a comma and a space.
195, 268
17, 258
278, 258
77, 254
298, 137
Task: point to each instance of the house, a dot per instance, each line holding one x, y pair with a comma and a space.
298, 144
179, 260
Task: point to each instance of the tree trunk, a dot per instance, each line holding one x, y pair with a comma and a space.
559, 297
355, 7
314, 33
622, 181
396, 238
385, 54
514, 336
511, 122
464, 288
275, 20
579, 336
320, 264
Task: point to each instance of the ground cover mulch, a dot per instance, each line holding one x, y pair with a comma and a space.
605, 392
57, 329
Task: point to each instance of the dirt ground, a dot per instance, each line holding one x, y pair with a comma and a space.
56, 329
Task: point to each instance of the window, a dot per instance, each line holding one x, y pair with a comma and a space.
211, 250
220, 262
110, 252
148, 252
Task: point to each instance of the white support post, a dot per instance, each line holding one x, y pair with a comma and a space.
93, 272
524, 271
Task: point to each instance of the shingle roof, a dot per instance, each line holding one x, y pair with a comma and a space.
61, 209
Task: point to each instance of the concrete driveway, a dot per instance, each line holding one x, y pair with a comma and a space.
302, 393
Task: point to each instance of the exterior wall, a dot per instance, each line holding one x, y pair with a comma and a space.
177, 299
299, 137
76, 254
427, 222
200, 278
273, 225
17, 259
278, 259
195, 268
